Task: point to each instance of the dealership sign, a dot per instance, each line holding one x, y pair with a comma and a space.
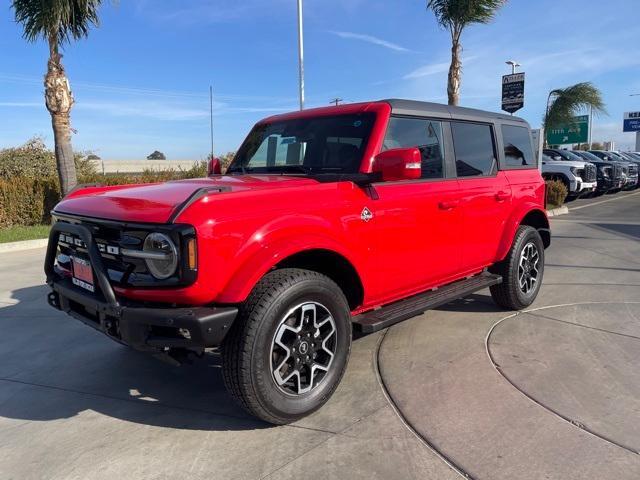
512, 92
575, 132
631, 122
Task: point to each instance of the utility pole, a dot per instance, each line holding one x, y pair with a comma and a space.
211, 116
300, 56
336, 101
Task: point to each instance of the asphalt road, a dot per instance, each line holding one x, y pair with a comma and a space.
467, 389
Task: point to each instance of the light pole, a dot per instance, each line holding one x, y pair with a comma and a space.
513, 64
300, 56
637, 133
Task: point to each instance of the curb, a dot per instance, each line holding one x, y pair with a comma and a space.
554, 212
23, 245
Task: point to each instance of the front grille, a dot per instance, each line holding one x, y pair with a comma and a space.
109, 240
617, 172
633, 170
112, 238
590, 173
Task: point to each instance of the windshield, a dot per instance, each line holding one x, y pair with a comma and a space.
589, 156
332, 144
567, 155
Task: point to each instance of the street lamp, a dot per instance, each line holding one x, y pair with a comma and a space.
513, 64
300, 56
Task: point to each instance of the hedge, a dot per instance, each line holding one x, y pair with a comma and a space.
29, 187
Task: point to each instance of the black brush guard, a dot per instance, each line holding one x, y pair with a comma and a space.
155, 329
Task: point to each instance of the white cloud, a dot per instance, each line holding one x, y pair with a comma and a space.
371, 39
428, 70
22, 104
434, 69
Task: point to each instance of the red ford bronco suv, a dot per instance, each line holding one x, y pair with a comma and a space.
356, 216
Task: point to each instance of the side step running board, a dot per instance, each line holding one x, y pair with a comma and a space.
404, 309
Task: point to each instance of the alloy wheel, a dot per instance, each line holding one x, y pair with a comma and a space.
303, 348
528, 268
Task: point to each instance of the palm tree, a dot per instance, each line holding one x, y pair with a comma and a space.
455, 15
566, 103
58, 22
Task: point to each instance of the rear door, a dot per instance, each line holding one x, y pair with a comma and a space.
484, 191
416, 225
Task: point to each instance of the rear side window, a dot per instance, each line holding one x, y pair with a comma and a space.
424, 134
517, 146
474, 150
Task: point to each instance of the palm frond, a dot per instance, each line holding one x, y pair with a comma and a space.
459, 13
568, 102
59, 19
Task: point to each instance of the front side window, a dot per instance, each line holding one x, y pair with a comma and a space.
333, 144
424, 134
474, 151
517, 146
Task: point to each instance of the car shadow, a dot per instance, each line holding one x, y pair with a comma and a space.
474, 303
54, 367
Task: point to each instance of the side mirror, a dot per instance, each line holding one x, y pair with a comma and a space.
214, 167
399, 164
558, 158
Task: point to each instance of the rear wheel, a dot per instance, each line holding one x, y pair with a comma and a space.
521, 271
288, 349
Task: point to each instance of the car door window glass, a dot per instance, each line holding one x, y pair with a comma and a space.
517, 146
474, 151
424, 134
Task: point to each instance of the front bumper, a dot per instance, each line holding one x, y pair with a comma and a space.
606, 183
154, 329
579, 187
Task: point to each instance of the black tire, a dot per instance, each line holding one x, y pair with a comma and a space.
248, 350
509, 294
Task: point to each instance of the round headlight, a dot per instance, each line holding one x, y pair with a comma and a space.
165, 265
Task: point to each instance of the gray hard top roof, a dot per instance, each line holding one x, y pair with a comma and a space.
414, 107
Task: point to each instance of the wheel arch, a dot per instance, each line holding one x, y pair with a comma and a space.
333, 265
532, 216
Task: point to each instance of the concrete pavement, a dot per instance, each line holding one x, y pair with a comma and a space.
552, 393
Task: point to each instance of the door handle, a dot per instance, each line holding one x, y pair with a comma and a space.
528, 187
502, 196
450, 205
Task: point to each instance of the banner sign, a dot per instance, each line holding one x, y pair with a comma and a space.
512, 92
631, 122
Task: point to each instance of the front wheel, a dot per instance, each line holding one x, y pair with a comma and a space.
288, 349
521, 271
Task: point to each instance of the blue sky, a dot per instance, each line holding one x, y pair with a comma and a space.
141, 79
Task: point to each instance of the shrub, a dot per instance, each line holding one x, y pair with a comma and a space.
556, 193
25, 200
34, 160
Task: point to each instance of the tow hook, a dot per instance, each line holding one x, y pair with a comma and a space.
54, 300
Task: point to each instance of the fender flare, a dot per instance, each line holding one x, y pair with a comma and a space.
254, 266
515, 220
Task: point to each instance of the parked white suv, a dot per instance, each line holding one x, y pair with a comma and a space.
580, 177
